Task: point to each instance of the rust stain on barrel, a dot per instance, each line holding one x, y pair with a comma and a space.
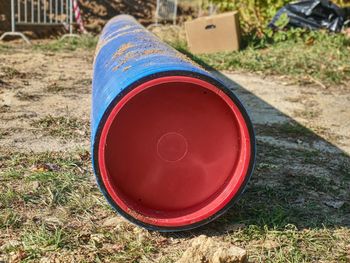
153, 51
122, 49
140, 216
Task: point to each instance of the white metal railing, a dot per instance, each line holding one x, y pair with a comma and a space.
40, 12
166, 10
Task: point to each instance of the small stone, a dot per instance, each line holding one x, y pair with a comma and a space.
17, 256
270, 244
112, 248
334, 204
347, 32
98, 240
141, 234
300, 201
10, 244
233, 227
207, 249
35, 185
113, 222
53, 222
52, 167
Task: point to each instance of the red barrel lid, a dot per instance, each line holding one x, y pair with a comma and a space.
174, 151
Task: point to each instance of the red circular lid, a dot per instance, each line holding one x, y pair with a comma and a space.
174, 151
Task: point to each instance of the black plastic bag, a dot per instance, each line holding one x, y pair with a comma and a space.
313, 15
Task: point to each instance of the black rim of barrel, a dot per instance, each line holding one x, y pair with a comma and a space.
249, 173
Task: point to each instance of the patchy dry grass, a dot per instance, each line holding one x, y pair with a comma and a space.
10, 73
291, 244
51, 208
296, 208
3, 133
318, 58
55, 88
4, 47
62, 127
286, 129
68, 44
25, 96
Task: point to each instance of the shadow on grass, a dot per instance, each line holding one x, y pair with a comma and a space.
300, 185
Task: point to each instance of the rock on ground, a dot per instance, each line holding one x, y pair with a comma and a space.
208, 250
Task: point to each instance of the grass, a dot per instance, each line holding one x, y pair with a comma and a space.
55, 88
42, 238
10, 219
10, 73
68, 44
87, 42
62, 126
25, 96
281, 217
51, 208
293, 245
316, 58
285, 130
4, 47
3, 133
72, 210
282, 213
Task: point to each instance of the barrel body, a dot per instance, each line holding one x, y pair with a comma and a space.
172, 146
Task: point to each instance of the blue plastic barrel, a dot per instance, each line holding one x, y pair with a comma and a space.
172, 147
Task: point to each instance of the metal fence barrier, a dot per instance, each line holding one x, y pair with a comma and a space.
40, 13
166, 11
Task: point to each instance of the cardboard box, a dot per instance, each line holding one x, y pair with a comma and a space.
214, 33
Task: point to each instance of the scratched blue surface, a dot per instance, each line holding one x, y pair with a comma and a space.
126, 53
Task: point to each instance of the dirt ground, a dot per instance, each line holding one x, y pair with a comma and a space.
299, 193
37, 85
